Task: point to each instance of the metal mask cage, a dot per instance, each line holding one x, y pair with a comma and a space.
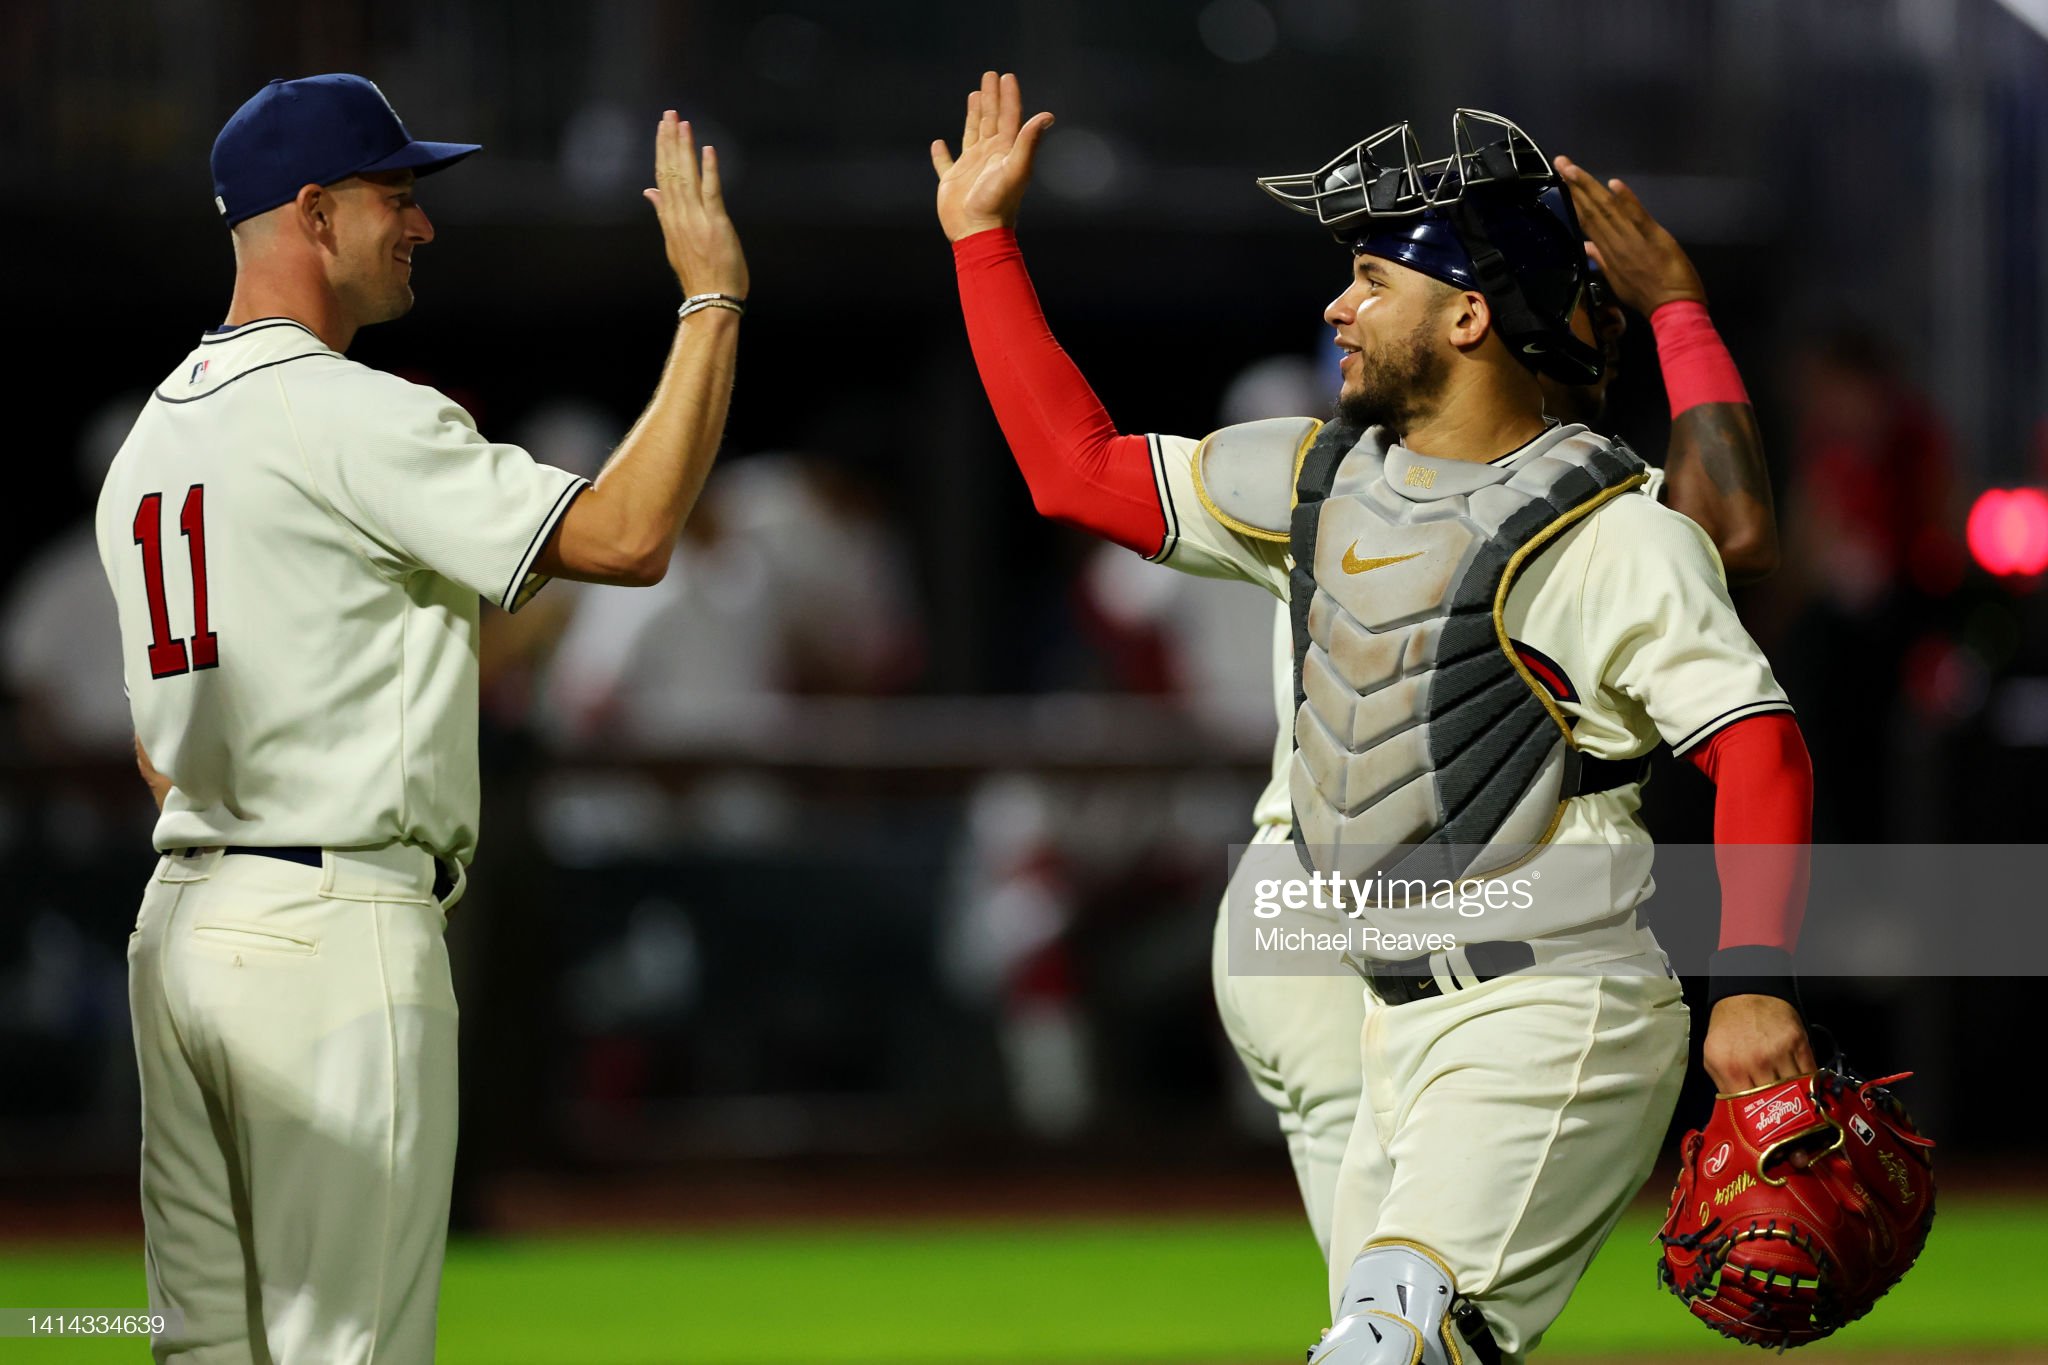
1384, 175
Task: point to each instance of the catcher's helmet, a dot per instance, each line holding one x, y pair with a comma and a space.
1493, 216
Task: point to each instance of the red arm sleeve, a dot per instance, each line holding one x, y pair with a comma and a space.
1696, 364
1079, 469
1763, 828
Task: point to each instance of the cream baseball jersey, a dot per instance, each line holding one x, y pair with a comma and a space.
298, 546
1629, 611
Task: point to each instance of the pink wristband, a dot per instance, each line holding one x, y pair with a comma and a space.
1697, 367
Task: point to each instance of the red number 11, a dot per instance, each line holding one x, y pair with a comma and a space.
167, 656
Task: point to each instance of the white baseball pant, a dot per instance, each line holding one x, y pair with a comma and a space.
295, 1031
1508, 1124
1298, 1039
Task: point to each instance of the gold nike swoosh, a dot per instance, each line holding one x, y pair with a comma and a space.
1353, 564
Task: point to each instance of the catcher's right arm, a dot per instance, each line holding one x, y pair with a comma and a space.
1799, 1204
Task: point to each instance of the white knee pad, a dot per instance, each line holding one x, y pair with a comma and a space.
1400, 1307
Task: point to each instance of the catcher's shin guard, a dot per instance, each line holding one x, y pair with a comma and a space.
1401, 1307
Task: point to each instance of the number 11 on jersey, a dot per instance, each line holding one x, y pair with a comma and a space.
167, 655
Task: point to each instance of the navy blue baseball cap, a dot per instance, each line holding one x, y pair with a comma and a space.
314, 131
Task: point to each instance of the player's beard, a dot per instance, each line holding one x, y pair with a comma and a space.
1398, 384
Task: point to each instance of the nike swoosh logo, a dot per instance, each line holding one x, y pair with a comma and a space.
1353, 564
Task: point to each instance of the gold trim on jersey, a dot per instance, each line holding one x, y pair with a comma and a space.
1514, 568
1500, 630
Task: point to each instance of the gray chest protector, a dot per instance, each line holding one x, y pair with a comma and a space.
1423, 745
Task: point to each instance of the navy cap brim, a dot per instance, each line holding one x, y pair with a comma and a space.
422, 158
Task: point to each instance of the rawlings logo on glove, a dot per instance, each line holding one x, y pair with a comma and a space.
1799, 1205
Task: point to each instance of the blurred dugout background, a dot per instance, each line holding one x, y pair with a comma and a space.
887, 832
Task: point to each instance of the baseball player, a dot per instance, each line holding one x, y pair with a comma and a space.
1297, 1037
1478, 1199
298, 546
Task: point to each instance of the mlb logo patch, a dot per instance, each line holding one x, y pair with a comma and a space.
1862, 1129
199, 372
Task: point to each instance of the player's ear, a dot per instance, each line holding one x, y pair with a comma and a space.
314, 210
1471, 318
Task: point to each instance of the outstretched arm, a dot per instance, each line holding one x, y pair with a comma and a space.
623, 528
1079, 468
1714, 466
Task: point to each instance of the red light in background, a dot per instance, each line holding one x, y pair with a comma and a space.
2008, 531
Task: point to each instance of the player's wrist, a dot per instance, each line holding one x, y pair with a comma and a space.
1666, 309
980, 248
1752, 969
733, 303
957, 233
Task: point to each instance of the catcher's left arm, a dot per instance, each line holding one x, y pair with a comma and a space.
1809, 1192
1763, 826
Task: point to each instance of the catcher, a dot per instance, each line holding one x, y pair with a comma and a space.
1512, 1112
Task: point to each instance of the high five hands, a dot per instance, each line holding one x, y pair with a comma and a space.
984, 186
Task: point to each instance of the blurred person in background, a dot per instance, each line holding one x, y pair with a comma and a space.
1870, 545
501, 950
59, 647
1044, 873
64, 1042
1298, 1036
787, 582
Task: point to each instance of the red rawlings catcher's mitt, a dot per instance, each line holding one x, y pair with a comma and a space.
1799, 1205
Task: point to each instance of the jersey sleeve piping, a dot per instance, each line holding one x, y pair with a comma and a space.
1727, 718
512, 600
1165, 492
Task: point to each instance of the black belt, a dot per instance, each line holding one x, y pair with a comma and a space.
1409, 979
444, 880
1586, 775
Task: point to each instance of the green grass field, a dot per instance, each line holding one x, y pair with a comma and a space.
1215, 1292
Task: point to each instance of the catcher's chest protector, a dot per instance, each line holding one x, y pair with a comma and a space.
1415, 722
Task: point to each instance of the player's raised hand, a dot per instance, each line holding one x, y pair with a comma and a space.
1644, 263
984, 186
689, 200
1754, 1040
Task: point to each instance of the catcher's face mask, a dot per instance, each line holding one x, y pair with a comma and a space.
1493, 217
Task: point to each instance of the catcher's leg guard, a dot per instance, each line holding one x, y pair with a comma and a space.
1401, 1307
